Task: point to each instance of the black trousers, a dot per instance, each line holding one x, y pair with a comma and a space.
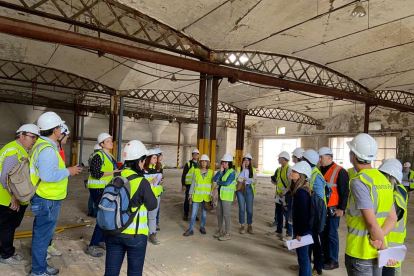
186, 201
9, 221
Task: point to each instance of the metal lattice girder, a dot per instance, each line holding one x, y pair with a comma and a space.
281, 114
290, 68
112, 18
230, 124
396, 96
25, 72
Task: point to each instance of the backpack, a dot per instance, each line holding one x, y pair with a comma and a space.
318, 214
115, 207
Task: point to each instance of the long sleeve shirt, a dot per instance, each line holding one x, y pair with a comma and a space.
48, 164
8, 164
217, 178
144, 195
301, 212
319, 185
186, 169
96, 166
245, 173
342, 186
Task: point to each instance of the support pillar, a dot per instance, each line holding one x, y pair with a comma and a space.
241, 122
82, 127
366, 119
157, 127
188, 133
179, 145
213, 125
201, 112
207, 122
75, 139
113, 120
121, 120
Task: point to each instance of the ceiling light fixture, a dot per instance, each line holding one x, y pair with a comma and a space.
359, 10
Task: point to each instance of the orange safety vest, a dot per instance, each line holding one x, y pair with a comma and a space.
330, 177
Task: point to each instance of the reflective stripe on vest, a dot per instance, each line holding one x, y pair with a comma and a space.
358, 245
312, 179
150, 176
227, 192
202, 188
107, 166
253, 185
281, 174
331, 177
47, 190
10, 149
190, 174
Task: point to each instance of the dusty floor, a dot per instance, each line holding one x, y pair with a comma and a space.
256, 254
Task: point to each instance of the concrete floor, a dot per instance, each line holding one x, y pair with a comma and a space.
256, 254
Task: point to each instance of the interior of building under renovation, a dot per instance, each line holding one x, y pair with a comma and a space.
223, 76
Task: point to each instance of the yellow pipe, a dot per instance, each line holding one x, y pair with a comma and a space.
114, 149
200, 146
206, 145
239, 156
213, 154
26, 234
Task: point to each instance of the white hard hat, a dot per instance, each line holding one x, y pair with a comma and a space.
298, 152
303, 167
49, 120
247, 155
64, 129
195, 151
285, 155
204, 157
393, 161
102, 137
407, 164
29, 128
312, 156
392, 170
364, 146
325, 150
158, 151
97, 147
134, 150
227, 158
152, 152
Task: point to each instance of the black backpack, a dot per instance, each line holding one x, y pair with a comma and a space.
318, 214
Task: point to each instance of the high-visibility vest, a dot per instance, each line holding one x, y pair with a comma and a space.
331, 177
352, 173
190, 174
253, 185
282, 180
381, 190
150, 175
312, 179
107, 166
202, 188
158, 189
227, 192
10, 149
142, 215
47, 190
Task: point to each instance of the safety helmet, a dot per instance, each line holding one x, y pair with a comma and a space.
102, 137
298, 152
134, 150
324, 151
49, 120
195, 151
152, 152
312, 156
393, 161
407, 164
29, 128
303, 167
227, 158
158, 151
392, 170
64, 129
248, 156
204, 157
364, 146
285, 155
97, 147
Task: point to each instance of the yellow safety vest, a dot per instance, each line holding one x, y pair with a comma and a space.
142, 215
352, 173
357, 243
107, 166
47, 190
10, 149
312, 179
282, 177
202, 188
410, 177
190, 174
150, 176
159, 189
253, 185
227, 192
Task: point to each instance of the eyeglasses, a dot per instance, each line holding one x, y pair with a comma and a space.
34, 137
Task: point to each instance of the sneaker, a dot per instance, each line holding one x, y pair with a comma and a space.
188, 233
158, 227
273, 224
94, 251
52, 271
250, 229
48, 257
203, 231
102, 245
275, 234
218, 234
287, 238
225, 237
185, 217
331, 266
241, 231
15, 260
53, 251
315, 272
153, 239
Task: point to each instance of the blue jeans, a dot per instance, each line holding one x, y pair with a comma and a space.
330, 240
281, 212
92, 208
115, 252
97, 236
194, 214
158, 212
46, 213
246, 202
304, 261
316, 249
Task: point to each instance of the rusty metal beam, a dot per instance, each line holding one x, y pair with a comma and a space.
284, 115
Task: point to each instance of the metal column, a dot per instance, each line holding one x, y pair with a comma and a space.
75, 139
121, 120
201, 112
207, 117
366, 119
213, 125
81, 139
179, 145
241, 123
113, 120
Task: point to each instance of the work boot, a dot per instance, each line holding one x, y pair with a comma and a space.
250, 229
102, 245
188, 233
203, 231
185, 217
225, 237
241, 231
218, 234
15, 260
94, 251
52, 271
53, 251
153, 239
158, 227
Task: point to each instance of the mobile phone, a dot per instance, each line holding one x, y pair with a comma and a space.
81, 165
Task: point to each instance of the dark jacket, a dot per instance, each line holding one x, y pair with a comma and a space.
186, 169
301, 212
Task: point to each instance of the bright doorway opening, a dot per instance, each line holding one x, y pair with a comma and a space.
272, 148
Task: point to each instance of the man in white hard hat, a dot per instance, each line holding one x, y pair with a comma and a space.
338, 180
281, 180
297, 155
408, 174
186, 179
11, 210
49, 173
370, 212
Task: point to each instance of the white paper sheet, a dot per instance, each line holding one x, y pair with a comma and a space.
306, 240
159, 175
397, 253
406, 183
280, 200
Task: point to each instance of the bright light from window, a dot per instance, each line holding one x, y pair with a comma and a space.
374, 126
243, 59
281, 130
232, 58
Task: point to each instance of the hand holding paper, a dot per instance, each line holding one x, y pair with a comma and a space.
305, 240
393, 253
